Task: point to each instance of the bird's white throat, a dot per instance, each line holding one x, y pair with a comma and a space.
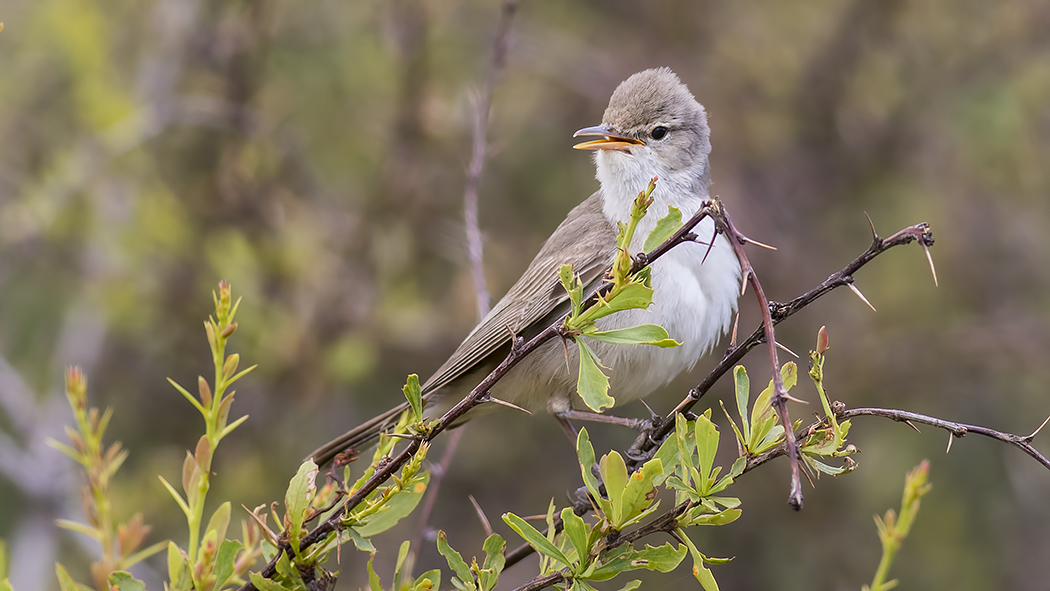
624, 175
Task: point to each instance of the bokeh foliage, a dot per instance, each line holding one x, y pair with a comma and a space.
313, 154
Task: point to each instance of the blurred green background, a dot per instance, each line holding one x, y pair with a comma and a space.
314, 154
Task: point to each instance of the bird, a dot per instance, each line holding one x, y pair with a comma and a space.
652, 127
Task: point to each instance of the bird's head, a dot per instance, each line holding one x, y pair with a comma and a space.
652, 127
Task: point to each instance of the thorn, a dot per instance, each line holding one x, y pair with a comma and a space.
491, 398
861, 296
743, 282
912, 425
736, 324
756, 243
789, 351
565, 349
871, 224
951, 437
929, 258
535, 517
1036, 432
481, 515
809, 478
710, 245
793, 399
652, 413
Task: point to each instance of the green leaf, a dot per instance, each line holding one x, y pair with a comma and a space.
430, 580
665, 228
361, 543
175, 495
585, 453
297, 499
630, 296
578, 533
631, 586
706, 447
571, 287
664, 559
220, 521
414, 395
123, 581
225, 561
455, 561
721, 518
374, 584
143, 554
743, 392
66, 582
640, 492
263, 584
684, 430
402, 555
397, 508
290, 573
494, 561
700, 572
593, 384
614, 474
78, 527
179, 574
534, 538
644, 334
789, 375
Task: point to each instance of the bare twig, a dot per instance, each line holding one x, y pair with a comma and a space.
475, 247
480, 146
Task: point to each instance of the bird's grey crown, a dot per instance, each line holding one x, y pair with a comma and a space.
655, 97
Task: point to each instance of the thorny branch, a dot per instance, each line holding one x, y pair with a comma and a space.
650, 439
479, 395
777, 312
954, 429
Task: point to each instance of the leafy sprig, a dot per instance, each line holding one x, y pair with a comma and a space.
626, 291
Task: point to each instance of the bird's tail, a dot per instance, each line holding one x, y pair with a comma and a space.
359, 438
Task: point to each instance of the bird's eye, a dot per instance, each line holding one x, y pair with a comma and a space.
658, 132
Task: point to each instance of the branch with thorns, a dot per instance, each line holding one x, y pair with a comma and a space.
773, 313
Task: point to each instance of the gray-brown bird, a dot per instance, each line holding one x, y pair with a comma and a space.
653, 127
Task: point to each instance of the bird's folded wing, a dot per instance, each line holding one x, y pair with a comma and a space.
585, 239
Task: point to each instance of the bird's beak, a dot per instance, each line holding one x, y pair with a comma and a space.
611, 139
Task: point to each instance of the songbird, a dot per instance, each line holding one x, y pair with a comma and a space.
653, 127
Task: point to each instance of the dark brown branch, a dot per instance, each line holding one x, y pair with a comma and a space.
780, 394
1021, 442
648, 441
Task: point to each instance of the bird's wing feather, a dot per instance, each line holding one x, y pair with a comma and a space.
585, 239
